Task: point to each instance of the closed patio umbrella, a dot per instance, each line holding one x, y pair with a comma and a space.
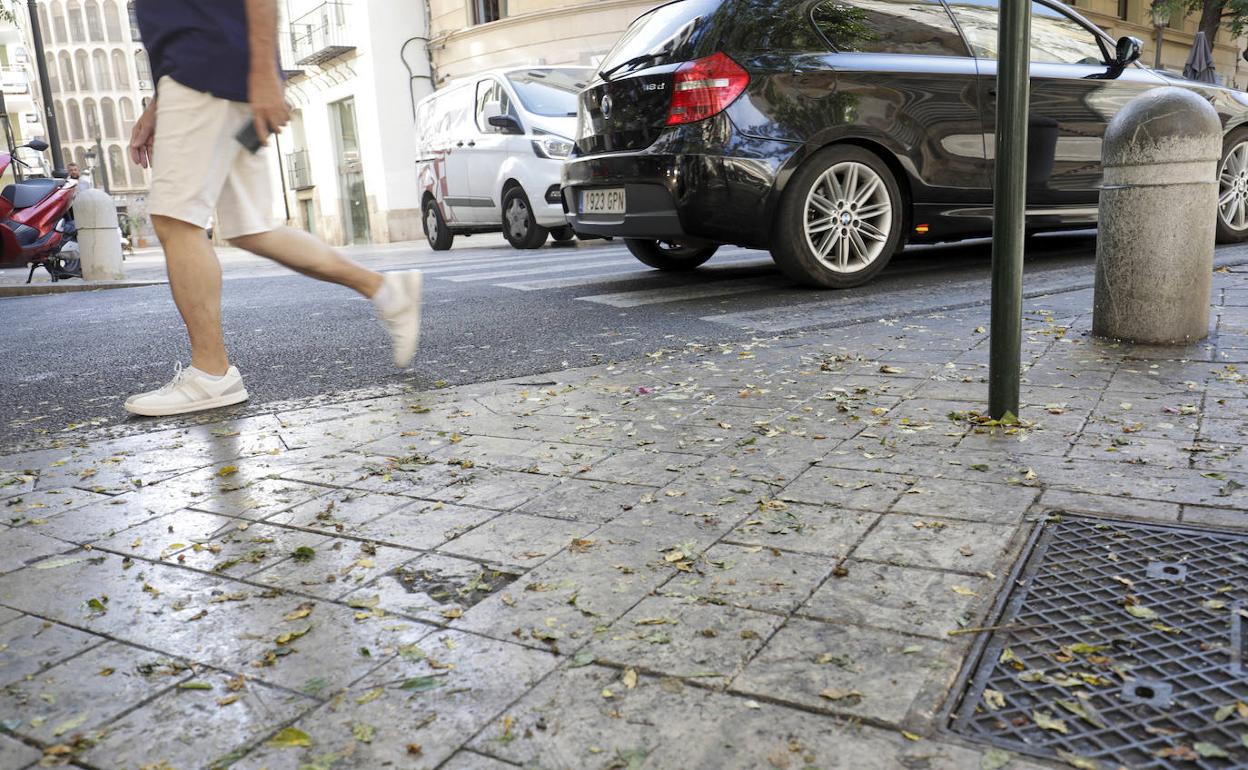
1199, 64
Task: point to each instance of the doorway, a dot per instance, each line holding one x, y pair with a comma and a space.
352, 195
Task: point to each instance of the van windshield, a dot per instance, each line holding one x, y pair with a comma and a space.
549, 93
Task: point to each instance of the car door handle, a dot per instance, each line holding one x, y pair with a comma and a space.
472, 144
459, 144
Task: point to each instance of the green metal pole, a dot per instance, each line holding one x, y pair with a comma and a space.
1009, 207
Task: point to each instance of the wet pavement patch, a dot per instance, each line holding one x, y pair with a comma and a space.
448, 588
1119, 644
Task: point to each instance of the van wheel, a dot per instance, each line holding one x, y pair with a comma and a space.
663, 255
519, 227
439, 235
840, 219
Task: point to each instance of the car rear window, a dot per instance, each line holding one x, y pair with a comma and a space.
549, 92
666, 34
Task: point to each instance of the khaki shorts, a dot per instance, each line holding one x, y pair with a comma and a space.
198, 166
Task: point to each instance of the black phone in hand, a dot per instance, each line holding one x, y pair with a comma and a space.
247, 137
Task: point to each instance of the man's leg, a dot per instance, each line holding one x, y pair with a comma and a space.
311, 256
195, 278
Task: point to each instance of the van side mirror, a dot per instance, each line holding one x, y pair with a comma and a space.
38, 145
1127, 50
508, 124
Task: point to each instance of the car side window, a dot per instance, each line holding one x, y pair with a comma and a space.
917, 27
1055, 37
491, 90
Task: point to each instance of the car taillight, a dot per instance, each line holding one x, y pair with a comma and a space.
705, 87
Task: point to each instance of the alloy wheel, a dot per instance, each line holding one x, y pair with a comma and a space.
431, 222
518, 218
849, 217
1233, 188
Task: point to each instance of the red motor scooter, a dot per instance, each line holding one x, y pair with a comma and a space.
35, 220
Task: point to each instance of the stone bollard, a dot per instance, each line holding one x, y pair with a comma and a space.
1158, 219
99, 240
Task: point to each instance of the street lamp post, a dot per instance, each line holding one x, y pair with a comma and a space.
45, 88
1161, 19
1009, 208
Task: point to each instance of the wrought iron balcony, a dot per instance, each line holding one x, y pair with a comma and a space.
322, 34
298, 170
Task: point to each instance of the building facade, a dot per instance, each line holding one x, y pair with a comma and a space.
18, 87
355, 71
1134, 17
101, 81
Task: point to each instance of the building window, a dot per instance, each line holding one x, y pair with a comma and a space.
117, 166
84, 70
80, 157
109, 115
61, 127
67, 72
95, 25
144, 69
112, 22
485, 11
75, 121
121, 69
1123, 10
92, 119
76, 30
138, 177
58, 23
134, 22
103, 81
43, 22
127, 116
53, 79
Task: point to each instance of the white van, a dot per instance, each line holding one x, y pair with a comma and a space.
490, 150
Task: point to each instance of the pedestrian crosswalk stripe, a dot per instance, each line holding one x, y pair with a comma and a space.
530, 259
533, 270
745, 259
700, 290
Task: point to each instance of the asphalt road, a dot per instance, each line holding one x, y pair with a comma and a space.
490, 313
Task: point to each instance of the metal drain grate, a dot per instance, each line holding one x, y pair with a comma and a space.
1121, 644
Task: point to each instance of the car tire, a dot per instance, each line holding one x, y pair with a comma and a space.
1233, 187
437, 233
519, 227
840, 220
563, 234
673, 257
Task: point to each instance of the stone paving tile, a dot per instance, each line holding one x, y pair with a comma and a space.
911, 601
1198, 515
338, 512
15, 755
29, 645
685, 638
517, 539
822, 665
336, 567
823, 531
98, 520
522, 455
918, 541
245, 549
86, 692
1121, 507
163, 538
423, 525
586, 500
958, 499
42, 504
192, 728
648, 468
406, 476
433, 588
19, 547
470, 760
434, 696
7, 615
565, 723
1224, 431
260, 499
754, 577
494, 489
848, 489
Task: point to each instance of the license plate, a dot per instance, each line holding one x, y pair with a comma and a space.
607, 201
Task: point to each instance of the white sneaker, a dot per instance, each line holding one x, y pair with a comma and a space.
189, 391
403, 322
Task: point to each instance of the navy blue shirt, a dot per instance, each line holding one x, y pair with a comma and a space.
202, 44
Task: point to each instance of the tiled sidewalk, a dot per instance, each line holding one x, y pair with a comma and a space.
738, 557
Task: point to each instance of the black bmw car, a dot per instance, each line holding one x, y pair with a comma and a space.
833, 132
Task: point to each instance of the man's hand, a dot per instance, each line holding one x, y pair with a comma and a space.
268, 103
143, 135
